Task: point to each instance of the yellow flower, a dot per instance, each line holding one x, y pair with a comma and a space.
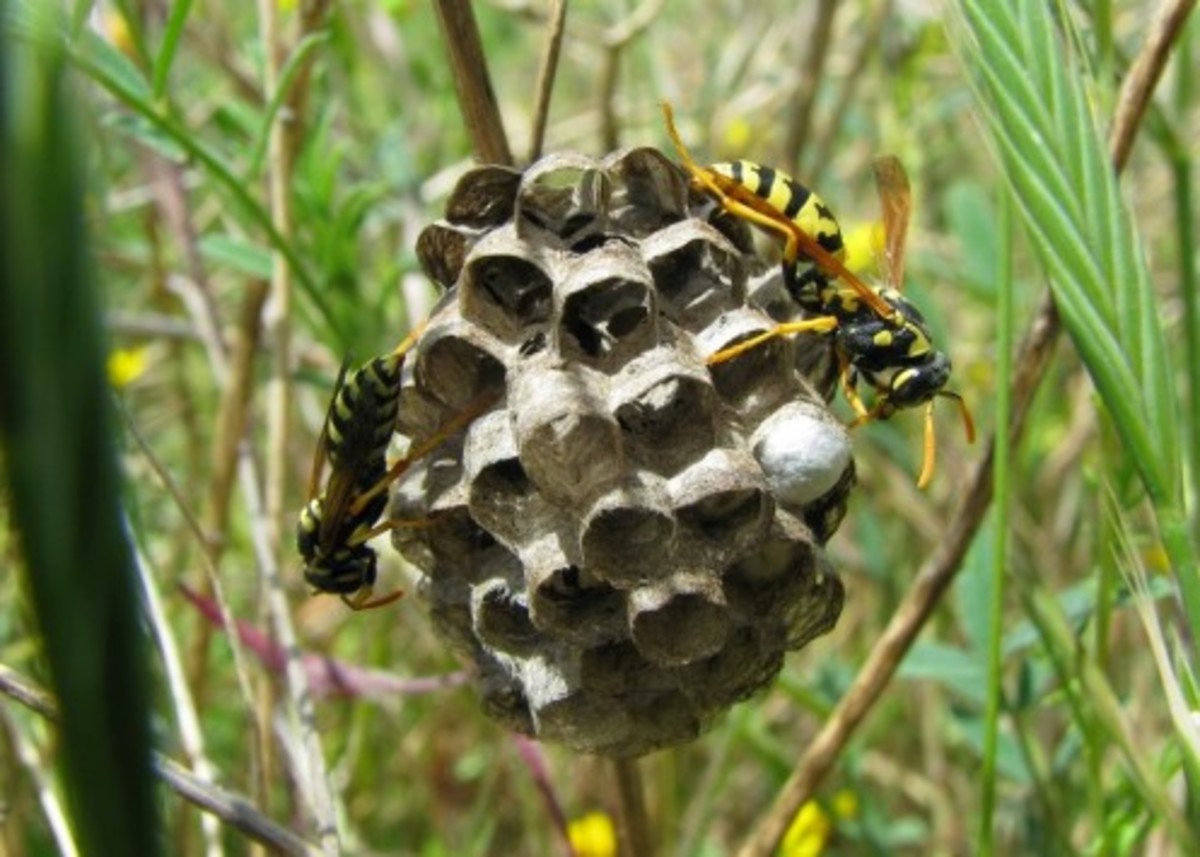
845, 804
114, 26
593, 835
737, 135
126, 365
808, 833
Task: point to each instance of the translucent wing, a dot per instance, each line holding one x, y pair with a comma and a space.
321, 452
895, 196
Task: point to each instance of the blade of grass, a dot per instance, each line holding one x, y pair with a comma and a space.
1069, 201
170, 44
1005, 336
287, 75
94, 57
64, 481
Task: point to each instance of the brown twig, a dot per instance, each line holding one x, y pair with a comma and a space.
868, 47
230, 807
267, 500
633, 830
232, 415
810, 79
614, 40
555, 28
472, 84
1143, 76
940, 568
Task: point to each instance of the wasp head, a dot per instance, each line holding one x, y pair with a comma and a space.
916, 384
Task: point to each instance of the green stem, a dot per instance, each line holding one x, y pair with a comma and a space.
235, 185
995, 657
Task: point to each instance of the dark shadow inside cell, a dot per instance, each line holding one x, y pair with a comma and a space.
724, 513
670, 425
596, 240
696, 278
564, 201
506, 502
484, 196
506, 477
535, 344
456, 372
563, 586
502, 618
597, 318
518, 287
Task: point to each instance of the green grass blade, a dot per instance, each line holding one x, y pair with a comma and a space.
287, 74
95, 58
170, 44
1037, 111
60, 455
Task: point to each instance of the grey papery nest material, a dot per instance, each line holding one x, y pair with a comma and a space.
628, 541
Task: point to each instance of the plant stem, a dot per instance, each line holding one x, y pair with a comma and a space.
634, 828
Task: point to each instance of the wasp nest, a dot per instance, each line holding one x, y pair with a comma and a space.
628, 541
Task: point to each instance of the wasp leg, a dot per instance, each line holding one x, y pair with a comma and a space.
850, 391
968, 421
823, 324
450, 428
362, 599
930, 449
394, 524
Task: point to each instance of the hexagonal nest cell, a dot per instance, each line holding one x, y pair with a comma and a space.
627, 541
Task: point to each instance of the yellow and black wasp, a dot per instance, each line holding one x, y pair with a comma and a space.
878, 334
336, 524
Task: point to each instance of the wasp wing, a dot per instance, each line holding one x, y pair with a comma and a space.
895, 196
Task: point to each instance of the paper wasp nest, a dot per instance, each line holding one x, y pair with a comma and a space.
628, 541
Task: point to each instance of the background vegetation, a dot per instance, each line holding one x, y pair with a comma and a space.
256, 178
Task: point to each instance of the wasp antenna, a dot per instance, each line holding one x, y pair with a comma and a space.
930, 450
968, 420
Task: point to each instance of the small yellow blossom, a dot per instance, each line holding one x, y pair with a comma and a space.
1155, 559
808, 833
737, 134
126, 365
593, 835
116, 29
845, 804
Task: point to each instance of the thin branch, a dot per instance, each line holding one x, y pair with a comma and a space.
190, 734
472, 84
868, 47
555, 28
1143, 76
267, 501
52, 808
614, 41
233, 414
634, 828
939, 569
228, 806
810, 79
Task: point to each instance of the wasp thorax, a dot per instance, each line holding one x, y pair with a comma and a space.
629, 541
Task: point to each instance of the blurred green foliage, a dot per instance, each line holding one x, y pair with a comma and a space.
176, 139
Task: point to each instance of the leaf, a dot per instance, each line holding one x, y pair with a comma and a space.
238, 254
